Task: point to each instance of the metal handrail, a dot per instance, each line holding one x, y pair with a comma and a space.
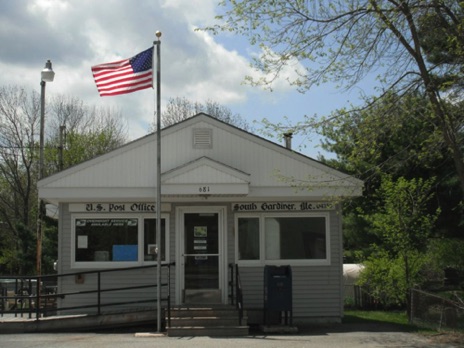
239, 292
236, 292
24, 285
231, 284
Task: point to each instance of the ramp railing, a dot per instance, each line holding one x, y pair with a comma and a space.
39, 296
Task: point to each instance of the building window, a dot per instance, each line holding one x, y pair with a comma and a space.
248, 238
290, 238
283, 239
116, 241
106, 240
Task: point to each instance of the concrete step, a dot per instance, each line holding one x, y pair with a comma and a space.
211, 331
204, 312
217, 321
205, 321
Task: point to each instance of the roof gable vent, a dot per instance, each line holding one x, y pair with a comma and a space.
202, 138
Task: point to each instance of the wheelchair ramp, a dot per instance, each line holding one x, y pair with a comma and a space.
74, 323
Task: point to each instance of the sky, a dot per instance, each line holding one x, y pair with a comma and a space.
77, 34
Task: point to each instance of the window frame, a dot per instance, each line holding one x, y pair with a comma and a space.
262, 261
140, 241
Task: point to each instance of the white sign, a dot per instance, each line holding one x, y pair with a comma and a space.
82, 242
135, 207
282, 206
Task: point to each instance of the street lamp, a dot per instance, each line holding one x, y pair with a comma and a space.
46, 75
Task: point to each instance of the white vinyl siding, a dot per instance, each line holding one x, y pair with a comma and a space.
316, 289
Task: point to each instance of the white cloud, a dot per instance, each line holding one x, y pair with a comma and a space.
49, 10
194, 12
76, 34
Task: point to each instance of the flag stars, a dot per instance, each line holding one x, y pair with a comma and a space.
142, 61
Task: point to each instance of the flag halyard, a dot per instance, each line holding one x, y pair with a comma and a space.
125, 76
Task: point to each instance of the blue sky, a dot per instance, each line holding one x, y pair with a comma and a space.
76, 34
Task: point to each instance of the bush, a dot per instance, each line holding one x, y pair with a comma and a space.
385, 278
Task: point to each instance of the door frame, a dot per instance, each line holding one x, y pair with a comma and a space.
222, 247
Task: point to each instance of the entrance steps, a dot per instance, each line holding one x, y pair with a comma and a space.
206, 320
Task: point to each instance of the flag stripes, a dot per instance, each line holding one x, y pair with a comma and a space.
125, 76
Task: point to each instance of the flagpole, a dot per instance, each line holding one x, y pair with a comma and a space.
158, 175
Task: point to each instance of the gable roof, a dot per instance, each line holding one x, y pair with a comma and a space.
188, 178
199, 150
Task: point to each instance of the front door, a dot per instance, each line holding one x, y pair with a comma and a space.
202, 256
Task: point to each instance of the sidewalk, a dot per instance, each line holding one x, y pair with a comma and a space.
318, 338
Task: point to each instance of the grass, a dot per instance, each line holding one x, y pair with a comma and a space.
396, 318
392, 317
399, 320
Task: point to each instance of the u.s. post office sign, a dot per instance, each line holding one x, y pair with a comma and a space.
116, 207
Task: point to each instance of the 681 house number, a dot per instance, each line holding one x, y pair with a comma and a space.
203, 189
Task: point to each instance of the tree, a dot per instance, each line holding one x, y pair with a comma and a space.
94, 132
395, 137
402, 220
345, 40
442, 41
404, 224
448, 253
89, 132
19, 115
384, 277
179, 109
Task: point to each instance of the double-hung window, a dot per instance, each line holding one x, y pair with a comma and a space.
268, 238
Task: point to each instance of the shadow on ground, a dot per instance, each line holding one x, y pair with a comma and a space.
360, 325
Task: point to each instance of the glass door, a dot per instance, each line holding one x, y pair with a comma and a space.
201, 252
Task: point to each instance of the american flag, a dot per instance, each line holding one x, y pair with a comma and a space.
125, 76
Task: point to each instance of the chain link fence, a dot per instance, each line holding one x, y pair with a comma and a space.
357, 297
436, 312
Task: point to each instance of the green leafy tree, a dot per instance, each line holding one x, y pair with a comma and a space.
50, 245
343, 41
404, 224
403, 220
394, 137
384, 277
83, 146
448, 253
442, 40
18, 254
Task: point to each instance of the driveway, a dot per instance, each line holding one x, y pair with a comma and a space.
337, 336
